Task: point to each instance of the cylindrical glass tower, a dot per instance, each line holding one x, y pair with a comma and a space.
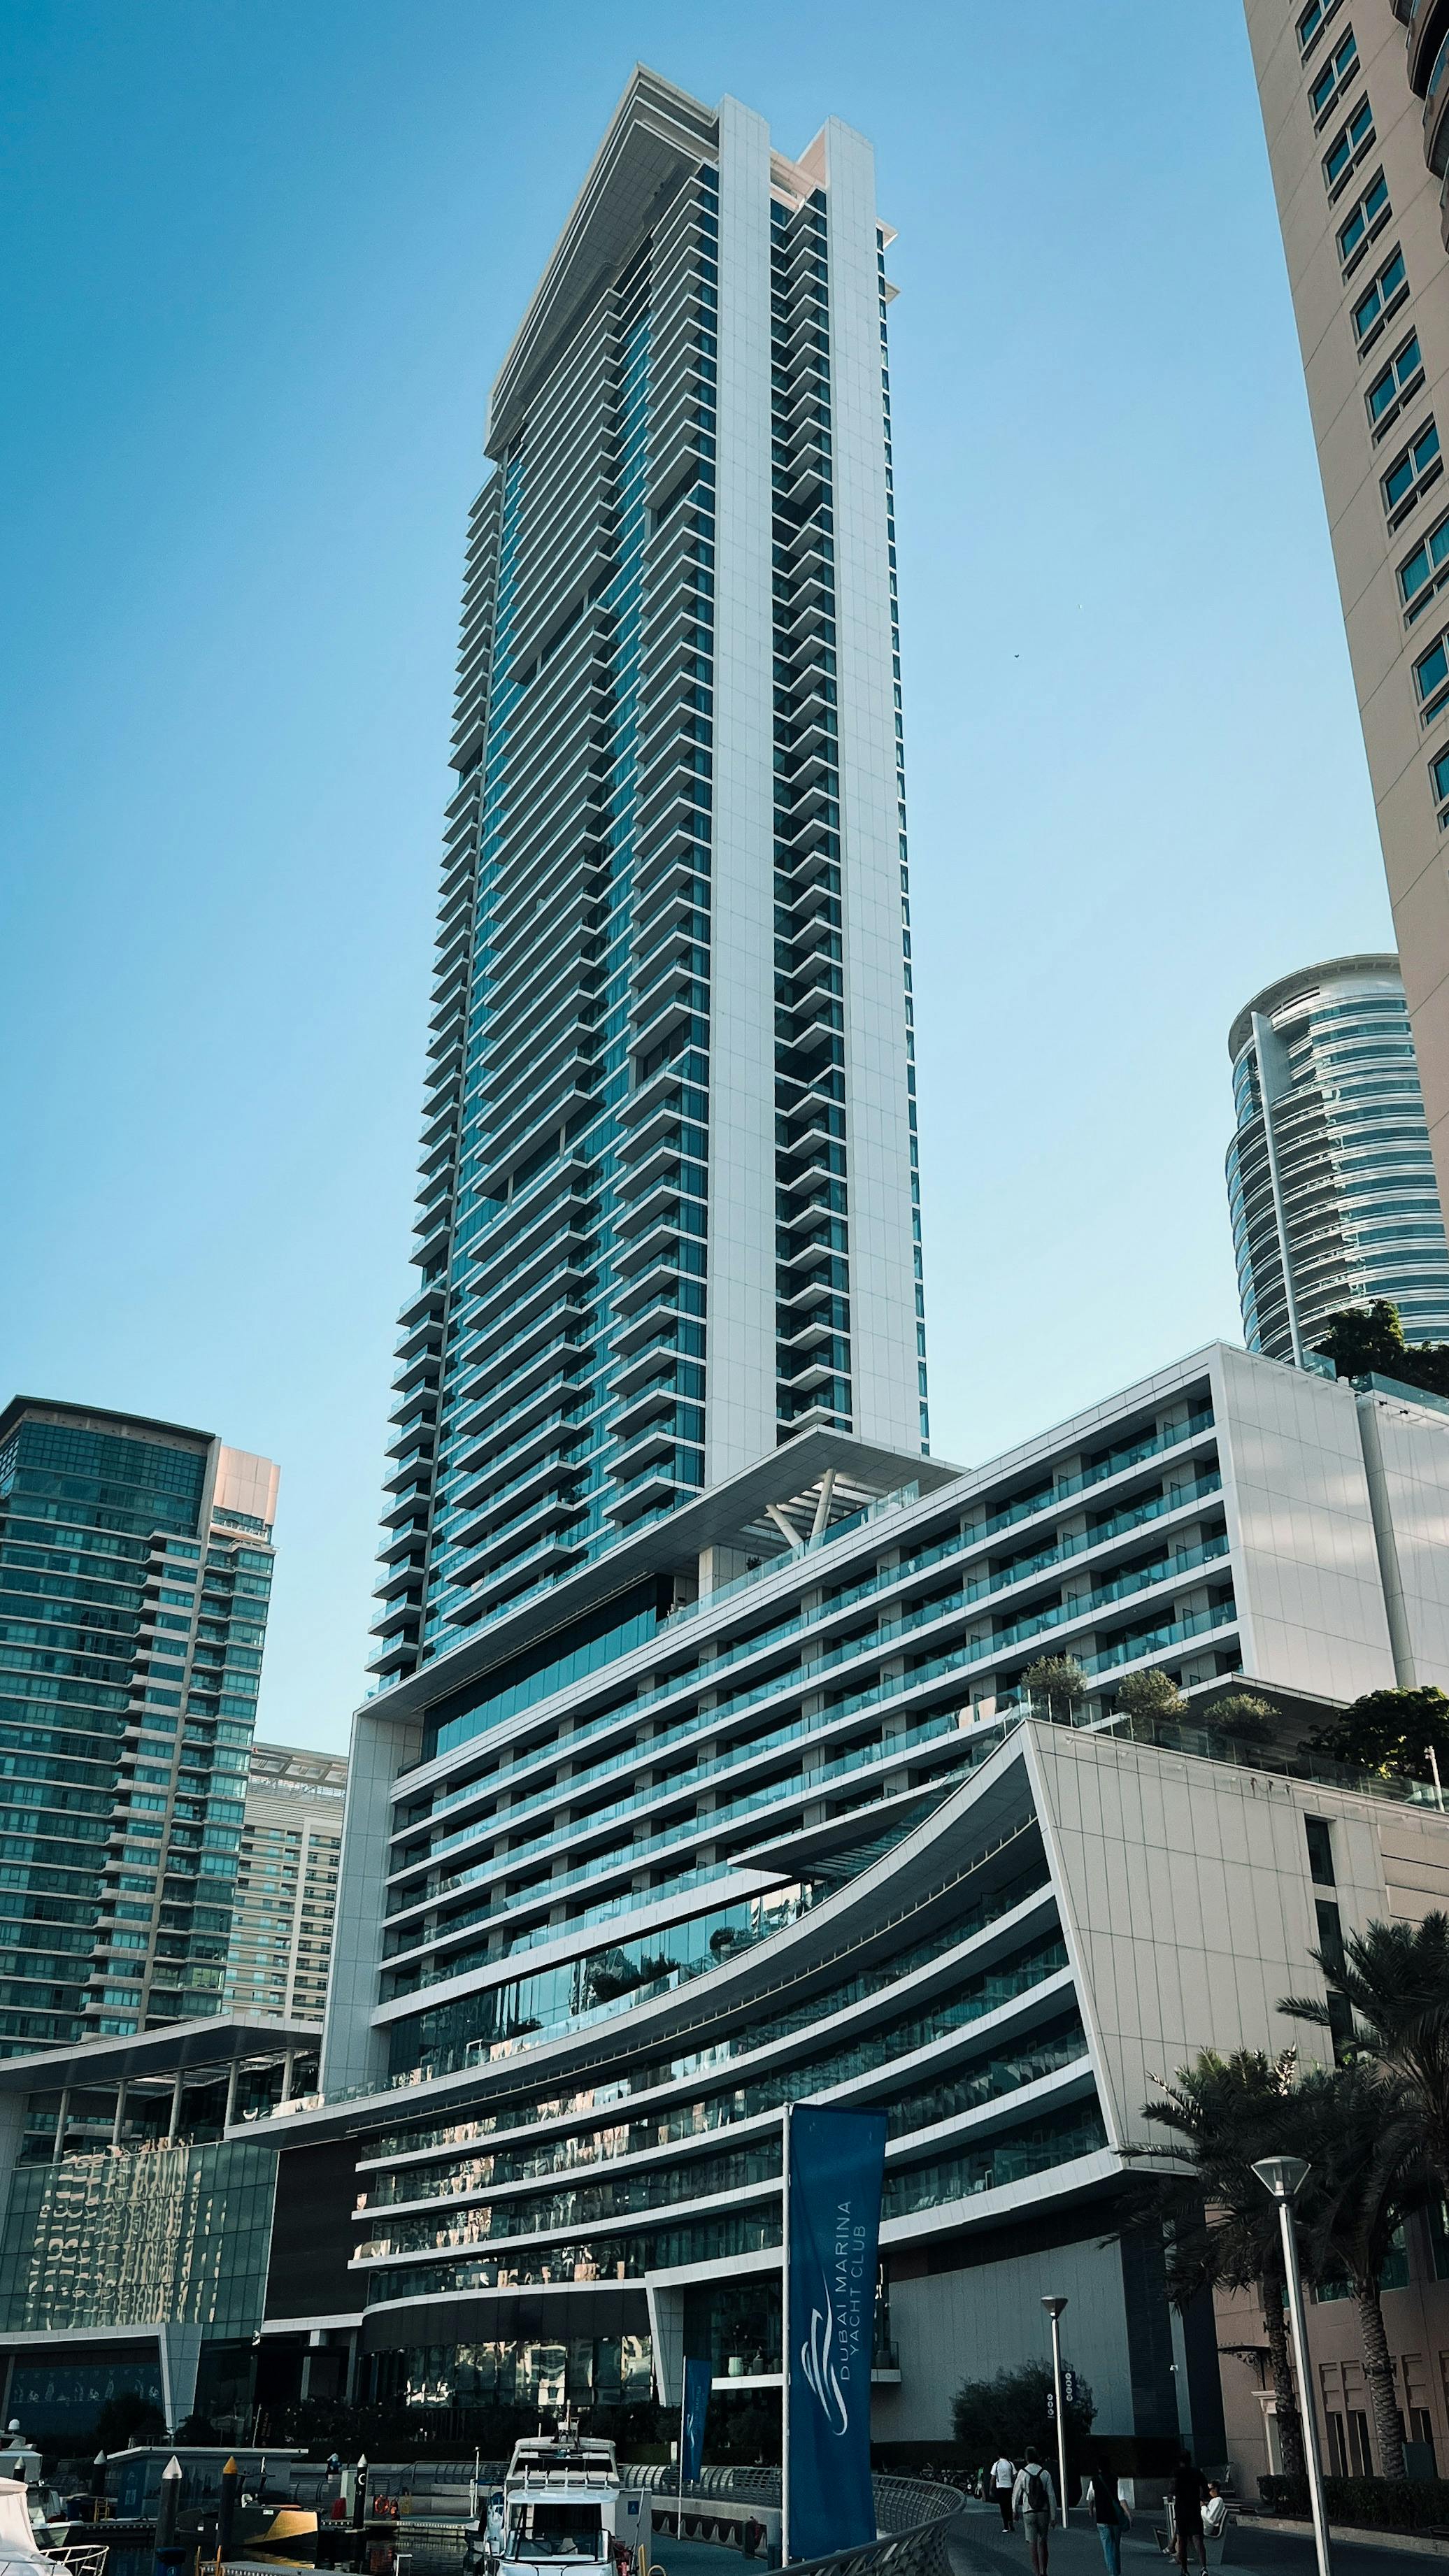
1330, 1178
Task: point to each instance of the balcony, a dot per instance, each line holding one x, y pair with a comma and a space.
552, 1556
400, 1619
655, 1490
1428, 21
398, 1657
1436, 112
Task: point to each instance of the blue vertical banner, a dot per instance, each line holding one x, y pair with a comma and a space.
834, 2167
694, 2407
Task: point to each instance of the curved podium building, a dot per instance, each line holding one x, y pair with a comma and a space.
616, 1889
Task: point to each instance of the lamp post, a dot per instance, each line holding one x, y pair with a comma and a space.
1283, 2177
1054, 2309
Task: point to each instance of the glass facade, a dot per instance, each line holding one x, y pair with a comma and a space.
585, 2370
170, 2235
60, 2400
133, 1609
1331, 1182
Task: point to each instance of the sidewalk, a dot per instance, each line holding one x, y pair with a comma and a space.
979, 2547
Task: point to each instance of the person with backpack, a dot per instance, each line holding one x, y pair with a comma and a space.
1109, 2514
1003, 2482
1035, 2499
1189, 2495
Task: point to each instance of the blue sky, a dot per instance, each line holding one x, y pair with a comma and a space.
263, 262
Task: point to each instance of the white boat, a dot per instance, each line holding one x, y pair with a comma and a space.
24, 2534
565, 2503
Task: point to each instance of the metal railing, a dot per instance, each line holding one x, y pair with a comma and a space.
912, 2515
912, 2518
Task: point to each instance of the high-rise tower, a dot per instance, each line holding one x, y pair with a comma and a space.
1330, 1178
286, 1890
1358, 137
669, 1210
135, 1573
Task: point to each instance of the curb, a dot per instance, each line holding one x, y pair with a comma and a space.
1362, 2535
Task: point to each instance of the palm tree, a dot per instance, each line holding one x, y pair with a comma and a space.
1395, 1979
1224, 2113
1362, 2138
1386, 2121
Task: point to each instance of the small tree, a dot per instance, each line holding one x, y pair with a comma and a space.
199, 2431
1370, 1343
1060, 1681
129, 2418
1012, 2412
1250, 1720
1150, 1694
1389, 1731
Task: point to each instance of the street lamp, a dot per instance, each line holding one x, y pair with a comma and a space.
1054, 2309
1283, 2177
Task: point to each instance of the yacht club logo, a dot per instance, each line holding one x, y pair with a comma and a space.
836, 2339
818, 2364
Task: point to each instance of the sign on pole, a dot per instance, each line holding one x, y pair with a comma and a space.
694, 2408
834, 2167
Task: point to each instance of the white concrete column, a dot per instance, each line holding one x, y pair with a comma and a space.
353, 2052
741, 1347
884, 1387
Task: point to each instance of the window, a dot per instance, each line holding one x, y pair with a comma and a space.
1366, 220
1421, 2428
1348, 148
1387, 292
1392, 387
1422, 575
1411, 473
1431, 679
1439, 781
544, 2530
1358, 2443
1337, 71
1320, 1849
1313, 21
1337, 2448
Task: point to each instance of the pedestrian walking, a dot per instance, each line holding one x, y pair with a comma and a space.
1035, 2499
1109, 2514
1003, 2481
1189, 2495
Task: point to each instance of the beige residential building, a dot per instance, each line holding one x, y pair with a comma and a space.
1355, 101
286, 1898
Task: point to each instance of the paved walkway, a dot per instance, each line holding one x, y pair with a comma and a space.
979, 2547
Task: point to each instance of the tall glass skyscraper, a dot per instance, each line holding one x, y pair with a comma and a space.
1330, 1177
135, 1571
669, 1207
